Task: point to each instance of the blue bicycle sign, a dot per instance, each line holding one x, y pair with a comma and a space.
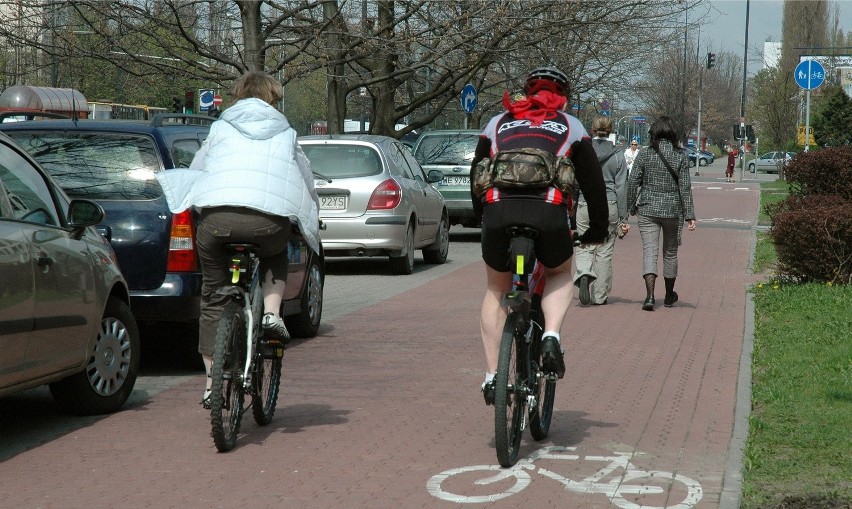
809, 74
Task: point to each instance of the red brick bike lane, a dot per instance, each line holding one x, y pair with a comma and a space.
383, 408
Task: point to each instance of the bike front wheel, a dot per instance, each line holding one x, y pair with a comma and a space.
227, 396
265, 382
510, 391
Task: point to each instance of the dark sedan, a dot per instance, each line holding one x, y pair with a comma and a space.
64, 315
113, 162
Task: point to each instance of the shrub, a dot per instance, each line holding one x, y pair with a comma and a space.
799, 202
813, 239
821, 172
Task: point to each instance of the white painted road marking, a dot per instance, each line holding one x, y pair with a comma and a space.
631, 481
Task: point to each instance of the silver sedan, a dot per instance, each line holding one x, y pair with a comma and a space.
376, 200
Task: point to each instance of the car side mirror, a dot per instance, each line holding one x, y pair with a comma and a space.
434, 176
83, 213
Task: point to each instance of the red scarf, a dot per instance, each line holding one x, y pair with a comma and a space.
535, 108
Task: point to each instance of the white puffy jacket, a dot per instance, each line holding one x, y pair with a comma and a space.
250, 159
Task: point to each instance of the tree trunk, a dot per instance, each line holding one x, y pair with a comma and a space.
254, 56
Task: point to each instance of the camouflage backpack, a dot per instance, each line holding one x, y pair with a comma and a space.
524, 168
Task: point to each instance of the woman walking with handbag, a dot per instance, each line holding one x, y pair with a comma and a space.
660, 186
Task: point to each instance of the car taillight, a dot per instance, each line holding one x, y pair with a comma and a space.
386, 196
182, 254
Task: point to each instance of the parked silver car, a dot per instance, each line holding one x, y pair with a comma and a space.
770, 162
64, 315
376, 200
451, 151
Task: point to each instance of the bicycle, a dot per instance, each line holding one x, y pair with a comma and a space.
520, 380
627, 486
245, 361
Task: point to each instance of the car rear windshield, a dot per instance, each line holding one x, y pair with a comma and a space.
98, 166
446, 148
343, 161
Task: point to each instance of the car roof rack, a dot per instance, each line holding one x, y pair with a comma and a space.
30, 115
161, 119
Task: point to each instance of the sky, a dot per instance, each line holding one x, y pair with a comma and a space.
723, 28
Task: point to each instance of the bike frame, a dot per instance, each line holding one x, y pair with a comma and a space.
245, 288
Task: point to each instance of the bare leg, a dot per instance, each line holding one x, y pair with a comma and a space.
492, 316
557, 296
273, 294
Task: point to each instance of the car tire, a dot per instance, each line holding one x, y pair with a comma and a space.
437, 252
751, 167
306, 324
403, 264
108, 378
703, 162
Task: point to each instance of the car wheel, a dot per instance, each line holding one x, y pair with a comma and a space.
404, 264
306, 324
751, 167
437, 252
702, 162
692, 162
110, 373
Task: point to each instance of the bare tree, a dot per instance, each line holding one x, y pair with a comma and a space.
405, 60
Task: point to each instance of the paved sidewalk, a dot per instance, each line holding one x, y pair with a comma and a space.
382, 410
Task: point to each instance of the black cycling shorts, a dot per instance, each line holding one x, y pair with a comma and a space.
553, 245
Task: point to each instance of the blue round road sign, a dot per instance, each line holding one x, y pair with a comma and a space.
809, 74
468, 98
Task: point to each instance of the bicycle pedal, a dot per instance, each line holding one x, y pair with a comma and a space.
272, 348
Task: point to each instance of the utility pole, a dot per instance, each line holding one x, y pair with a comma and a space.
742, 101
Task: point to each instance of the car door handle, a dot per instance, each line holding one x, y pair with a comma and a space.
44, 260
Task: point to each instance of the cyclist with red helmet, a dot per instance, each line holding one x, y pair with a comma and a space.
536, 120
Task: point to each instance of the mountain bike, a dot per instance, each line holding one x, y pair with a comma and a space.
522, 389
245, 361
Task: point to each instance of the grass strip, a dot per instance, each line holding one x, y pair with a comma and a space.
799, 450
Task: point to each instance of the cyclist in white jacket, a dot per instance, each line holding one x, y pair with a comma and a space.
249, 183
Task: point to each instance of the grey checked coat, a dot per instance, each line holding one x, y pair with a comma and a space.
655, 187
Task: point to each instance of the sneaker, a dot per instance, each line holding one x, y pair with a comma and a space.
585, 296
205, 399
551, 356
488, 392
274, 327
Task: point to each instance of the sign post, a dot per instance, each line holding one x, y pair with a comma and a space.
809, 74
468, 101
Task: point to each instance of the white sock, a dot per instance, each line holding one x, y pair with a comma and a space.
552, 333
489, 377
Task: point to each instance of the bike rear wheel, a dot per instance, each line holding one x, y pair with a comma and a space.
265, 382
227, 396
544, 389
510, 396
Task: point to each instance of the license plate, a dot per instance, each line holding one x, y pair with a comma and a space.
332, 202
452, 180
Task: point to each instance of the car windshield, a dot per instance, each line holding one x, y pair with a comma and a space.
343, 161
96, 165
446, 148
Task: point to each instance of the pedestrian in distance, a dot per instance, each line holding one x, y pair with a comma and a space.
630, 154
537, 120
732, 161
593, 262
661, 188
249, 183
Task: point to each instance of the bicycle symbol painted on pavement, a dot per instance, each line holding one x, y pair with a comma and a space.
626, 487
